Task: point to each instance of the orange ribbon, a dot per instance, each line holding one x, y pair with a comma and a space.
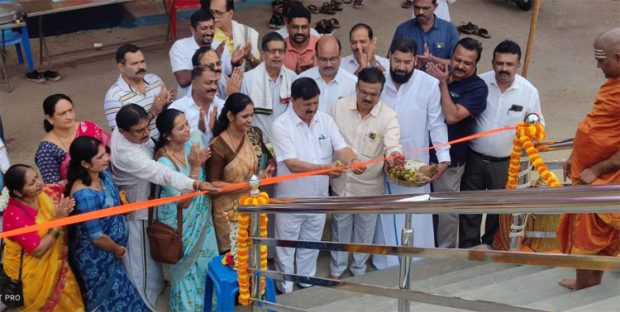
98, 214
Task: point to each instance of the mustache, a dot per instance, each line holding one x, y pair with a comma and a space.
504, 73
141, 71
211, 90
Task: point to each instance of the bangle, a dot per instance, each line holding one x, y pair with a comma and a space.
54, 233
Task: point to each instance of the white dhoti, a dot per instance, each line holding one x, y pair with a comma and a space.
143, 271
389, 227
307, 227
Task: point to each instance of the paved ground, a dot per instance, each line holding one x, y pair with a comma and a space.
562, 65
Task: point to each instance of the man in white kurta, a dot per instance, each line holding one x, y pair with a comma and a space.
333, 81
372, 130
269, 84
363, 47
201, 107
304, 139
133, 170
414, 96
182, 51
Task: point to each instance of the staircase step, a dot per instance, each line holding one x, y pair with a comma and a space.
370, 303
478, 282
458, 276
608, 305
610, 287
421, 270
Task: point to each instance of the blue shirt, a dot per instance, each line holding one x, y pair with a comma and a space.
441, 38
472, 94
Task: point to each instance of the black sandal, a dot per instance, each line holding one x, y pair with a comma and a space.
327, 8
313, 9
406, 4
334, 23
336, 5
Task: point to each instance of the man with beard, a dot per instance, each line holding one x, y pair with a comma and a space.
511, 97
181, 52
414, 96
371, 129
133, 170
363, 44
300, 45
239, 38
463, 98
269, 84
135, 86
435, 38
201, 106
304, 139
335, 83
596, 160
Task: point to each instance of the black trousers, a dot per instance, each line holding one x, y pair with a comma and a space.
480, 175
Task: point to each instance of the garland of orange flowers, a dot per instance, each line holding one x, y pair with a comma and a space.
523, 140
243, 252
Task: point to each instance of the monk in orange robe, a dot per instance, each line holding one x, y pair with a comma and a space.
596, 160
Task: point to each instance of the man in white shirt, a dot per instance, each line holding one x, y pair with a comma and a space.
414, 96
304, 139
239, 38
181, 52
511, 98
133, 170
372, 130
334, 83
363, 45
269, 84
201, 106
135, 86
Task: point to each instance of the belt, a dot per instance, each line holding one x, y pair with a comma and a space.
491, 158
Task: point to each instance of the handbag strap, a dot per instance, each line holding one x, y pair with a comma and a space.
155, 194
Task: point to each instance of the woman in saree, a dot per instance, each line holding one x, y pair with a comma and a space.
48, 282
238, 152
62, 128
99, 245
188, 276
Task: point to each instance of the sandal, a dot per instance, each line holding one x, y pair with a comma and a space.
313, 9
358, 4
336, 5
468, 29
483, 33
327, 8
334, 23
407, 4
320, 26
347, 1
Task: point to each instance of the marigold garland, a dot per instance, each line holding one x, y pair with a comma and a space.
523, 140
243, 276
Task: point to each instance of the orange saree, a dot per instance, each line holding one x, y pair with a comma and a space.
597, 139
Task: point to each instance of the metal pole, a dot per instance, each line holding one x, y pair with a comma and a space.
255, 259
254, 183
518, 219
405, 263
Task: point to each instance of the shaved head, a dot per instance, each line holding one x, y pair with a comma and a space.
607, 52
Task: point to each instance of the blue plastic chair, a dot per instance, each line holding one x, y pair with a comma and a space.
19, 39
224, 279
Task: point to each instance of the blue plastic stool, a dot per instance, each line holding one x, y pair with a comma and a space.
226, 287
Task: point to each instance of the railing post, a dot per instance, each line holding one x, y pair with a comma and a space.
405, 263
255, 249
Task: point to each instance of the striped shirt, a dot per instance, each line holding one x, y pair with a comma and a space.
121, 94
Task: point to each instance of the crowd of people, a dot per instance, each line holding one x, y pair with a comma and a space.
287, 103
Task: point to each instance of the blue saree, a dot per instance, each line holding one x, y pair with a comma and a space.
107, 286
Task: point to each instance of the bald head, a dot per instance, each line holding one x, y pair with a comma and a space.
607, 52
328, 56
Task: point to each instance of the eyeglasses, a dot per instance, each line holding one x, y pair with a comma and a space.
331, 59
213, 64
365, 94
217, 13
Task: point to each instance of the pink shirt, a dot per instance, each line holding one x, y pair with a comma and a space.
306, 55
17, 215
